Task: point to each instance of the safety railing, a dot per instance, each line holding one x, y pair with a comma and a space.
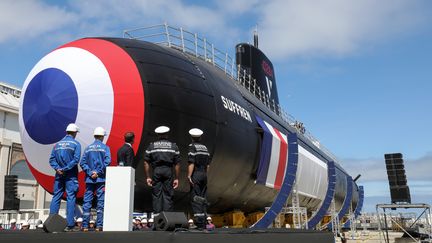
8, 89
200, 47
185, 41
30, 216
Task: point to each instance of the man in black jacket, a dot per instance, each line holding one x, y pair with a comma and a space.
199, 162
125, 155
162, 156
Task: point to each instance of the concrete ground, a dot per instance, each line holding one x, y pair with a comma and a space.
374, 237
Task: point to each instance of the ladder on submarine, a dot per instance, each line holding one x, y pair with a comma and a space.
353, 225
335, 223
299, 214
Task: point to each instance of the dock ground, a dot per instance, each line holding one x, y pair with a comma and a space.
374, 237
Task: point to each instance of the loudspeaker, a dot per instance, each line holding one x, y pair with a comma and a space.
11, 204
11, 200
11, 178
400, 194
399, 189
393, 156
54, 223
11, 185
169, 221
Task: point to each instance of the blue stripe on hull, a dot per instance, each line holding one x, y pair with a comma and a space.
265, 153
348, 198
286, 188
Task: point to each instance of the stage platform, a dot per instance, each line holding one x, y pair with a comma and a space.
217, 236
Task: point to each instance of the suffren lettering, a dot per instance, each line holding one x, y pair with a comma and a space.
234, 107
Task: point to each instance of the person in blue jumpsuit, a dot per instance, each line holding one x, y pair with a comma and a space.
95, 159
64, 160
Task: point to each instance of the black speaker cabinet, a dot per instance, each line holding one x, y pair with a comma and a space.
169, 221
399, 189
400, 194
11, 200
11, 185
54, 223
11, 204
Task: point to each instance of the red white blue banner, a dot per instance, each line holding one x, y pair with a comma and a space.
273, 157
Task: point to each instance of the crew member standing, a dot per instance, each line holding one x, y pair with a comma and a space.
162, 155
64, 160
95, 159
125, 154
199, 163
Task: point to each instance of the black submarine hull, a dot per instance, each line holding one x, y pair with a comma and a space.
174, 89
183, 92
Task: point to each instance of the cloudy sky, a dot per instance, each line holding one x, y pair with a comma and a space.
357, 73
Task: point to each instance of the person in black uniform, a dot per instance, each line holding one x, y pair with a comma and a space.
199, 162
125, 155
162, 155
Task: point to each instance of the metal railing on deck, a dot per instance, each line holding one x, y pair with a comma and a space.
200, 47
185, 41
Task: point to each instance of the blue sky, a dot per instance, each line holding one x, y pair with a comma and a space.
358, 74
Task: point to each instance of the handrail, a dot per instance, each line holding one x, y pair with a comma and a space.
192, 44
9, 89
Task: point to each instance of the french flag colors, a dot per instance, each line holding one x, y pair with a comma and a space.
274, 156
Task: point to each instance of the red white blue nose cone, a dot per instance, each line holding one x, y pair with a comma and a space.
89, 82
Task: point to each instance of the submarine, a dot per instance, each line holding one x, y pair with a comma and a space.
262, 159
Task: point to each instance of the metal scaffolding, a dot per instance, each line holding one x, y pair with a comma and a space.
384, 230
335, 226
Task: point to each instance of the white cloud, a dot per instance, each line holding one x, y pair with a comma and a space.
287, 28
375, 181
22, 20
34, 18
336, 27
373, 169
239, 6
144, 12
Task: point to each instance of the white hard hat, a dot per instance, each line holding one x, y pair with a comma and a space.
79, 220
72, 128
13, 221
162, 129
24, 223
195, 132
92, 222
138, 218
144, 220
99, 131
150, 220
209, 218
190, 221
